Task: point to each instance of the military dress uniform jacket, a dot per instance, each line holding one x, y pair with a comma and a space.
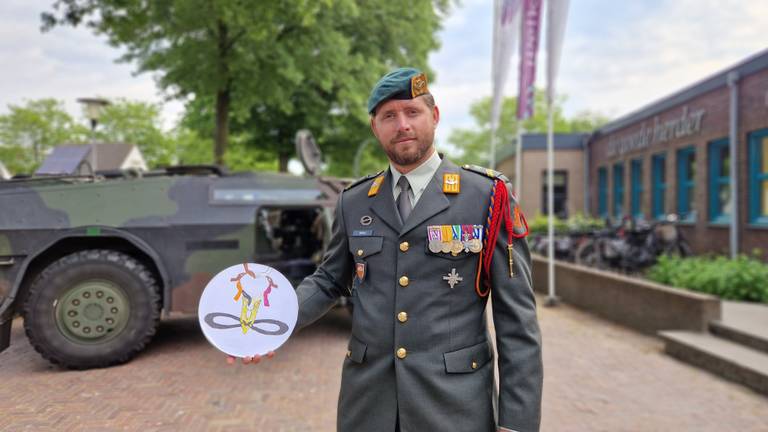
419, 348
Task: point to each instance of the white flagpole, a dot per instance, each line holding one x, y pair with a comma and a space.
518, 186
557, 13
494, 71
551, 298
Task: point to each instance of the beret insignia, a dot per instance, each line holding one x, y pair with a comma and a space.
419, 85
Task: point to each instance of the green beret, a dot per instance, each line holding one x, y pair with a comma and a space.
402, 83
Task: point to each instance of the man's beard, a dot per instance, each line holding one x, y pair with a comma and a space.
413, 155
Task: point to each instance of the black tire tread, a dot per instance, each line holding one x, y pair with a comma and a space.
132, 265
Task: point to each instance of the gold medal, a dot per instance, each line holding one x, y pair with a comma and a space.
456, 247
445, 246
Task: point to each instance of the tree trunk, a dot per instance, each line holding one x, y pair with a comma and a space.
283, 159
222, 125
222, 96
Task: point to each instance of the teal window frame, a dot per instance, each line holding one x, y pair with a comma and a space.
618, 190
636, 175
717, 179
602, 192
686, 183
658, 185
756, 176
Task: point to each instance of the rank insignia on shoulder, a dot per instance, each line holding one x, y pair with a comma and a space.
486, 172
362, 180
451, 183
376, 185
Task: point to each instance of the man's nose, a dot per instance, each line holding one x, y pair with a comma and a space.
402, 122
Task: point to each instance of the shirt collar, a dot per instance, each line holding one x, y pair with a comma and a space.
420, 176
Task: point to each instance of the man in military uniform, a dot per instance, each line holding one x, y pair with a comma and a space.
406, 247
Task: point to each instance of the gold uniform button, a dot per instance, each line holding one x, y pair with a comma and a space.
404, 281
404, 246
349, 354
402, 317
359, 252
401, 353
474, 365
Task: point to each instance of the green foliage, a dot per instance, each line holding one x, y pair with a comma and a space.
270, 67
29, 131
743, 278
474, 144
136, 122
574, 224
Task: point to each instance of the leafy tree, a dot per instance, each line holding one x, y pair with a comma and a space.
29, 131
473, 145
272, 67
137, 122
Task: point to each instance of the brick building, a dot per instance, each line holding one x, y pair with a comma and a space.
674, 157
569, 180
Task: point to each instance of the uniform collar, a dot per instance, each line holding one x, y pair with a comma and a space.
420, 176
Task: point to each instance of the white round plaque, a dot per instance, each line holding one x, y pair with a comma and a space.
248, 309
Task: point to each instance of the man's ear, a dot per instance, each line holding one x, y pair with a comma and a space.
373, 126
436, 114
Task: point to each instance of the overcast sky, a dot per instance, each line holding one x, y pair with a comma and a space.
617, 56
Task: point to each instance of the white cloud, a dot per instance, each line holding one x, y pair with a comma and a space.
65, 64
617, 57
670, 47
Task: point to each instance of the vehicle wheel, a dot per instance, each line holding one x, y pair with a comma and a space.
93, 308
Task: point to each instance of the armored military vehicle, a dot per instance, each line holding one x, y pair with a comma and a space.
91, 262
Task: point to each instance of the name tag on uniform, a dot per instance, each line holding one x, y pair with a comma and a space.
362, 233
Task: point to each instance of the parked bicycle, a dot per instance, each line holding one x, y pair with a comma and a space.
632, 246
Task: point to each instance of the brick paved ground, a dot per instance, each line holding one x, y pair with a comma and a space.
599, 377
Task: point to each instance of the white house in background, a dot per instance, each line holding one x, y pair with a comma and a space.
80, 159
4, 174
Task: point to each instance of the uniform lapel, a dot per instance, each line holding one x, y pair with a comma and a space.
383, 204
432, 201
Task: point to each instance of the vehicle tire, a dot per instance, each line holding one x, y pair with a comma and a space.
93, 308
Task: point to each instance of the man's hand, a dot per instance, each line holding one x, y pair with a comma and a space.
250, 360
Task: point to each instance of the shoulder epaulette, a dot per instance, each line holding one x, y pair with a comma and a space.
486, 172
361, 180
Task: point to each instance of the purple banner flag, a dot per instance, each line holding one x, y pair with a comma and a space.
529, 46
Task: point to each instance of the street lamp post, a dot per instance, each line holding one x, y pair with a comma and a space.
94, 108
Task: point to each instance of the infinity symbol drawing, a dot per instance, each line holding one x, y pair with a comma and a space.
210, 319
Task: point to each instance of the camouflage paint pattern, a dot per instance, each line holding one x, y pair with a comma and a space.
191, 226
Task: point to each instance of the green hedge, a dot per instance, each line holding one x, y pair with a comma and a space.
742, 278
575, 223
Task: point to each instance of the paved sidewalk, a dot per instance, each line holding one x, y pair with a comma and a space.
598, 377
602, 377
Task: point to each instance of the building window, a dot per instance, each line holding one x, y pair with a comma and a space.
637, 188
720, 201
758, 177
686, 173
659, 184
560, 190
618, 190
602, 192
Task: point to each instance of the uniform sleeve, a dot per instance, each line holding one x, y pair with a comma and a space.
318, 292
518, 339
